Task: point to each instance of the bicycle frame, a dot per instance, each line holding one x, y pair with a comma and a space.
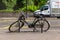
30, 25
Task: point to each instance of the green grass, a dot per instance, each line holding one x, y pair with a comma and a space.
9, 11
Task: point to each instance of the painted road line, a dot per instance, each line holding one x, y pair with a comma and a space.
55, 25
12, 20
6, 27
7, 20
25, 27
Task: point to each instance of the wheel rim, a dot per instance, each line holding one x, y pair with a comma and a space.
14, 27
42, 23
45, 26
37, 26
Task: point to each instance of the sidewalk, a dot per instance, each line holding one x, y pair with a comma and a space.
14, 18
8, 18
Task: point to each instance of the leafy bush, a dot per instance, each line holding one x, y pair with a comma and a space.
30, 8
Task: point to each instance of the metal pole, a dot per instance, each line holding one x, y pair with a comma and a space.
50, 7
26, 8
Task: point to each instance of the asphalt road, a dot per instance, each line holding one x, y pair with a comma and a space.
4, 22
52, 34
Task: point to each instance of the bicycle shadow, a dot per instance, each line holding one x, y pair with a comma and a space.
25, 32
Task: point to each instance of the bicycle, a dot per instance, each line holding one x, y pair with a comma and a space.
36, 24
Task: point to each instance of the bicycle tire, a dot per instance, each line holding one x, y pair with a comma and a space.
38, 23
17, 27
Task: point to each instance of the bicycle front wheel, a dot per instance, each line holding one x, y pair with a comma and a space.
15, 26
42, 24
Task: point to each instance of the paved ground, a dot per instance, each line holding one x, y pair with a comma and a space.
52, 34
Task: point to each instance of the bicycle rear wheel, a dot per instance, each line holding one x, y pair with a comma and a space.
15, 26
42, 24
